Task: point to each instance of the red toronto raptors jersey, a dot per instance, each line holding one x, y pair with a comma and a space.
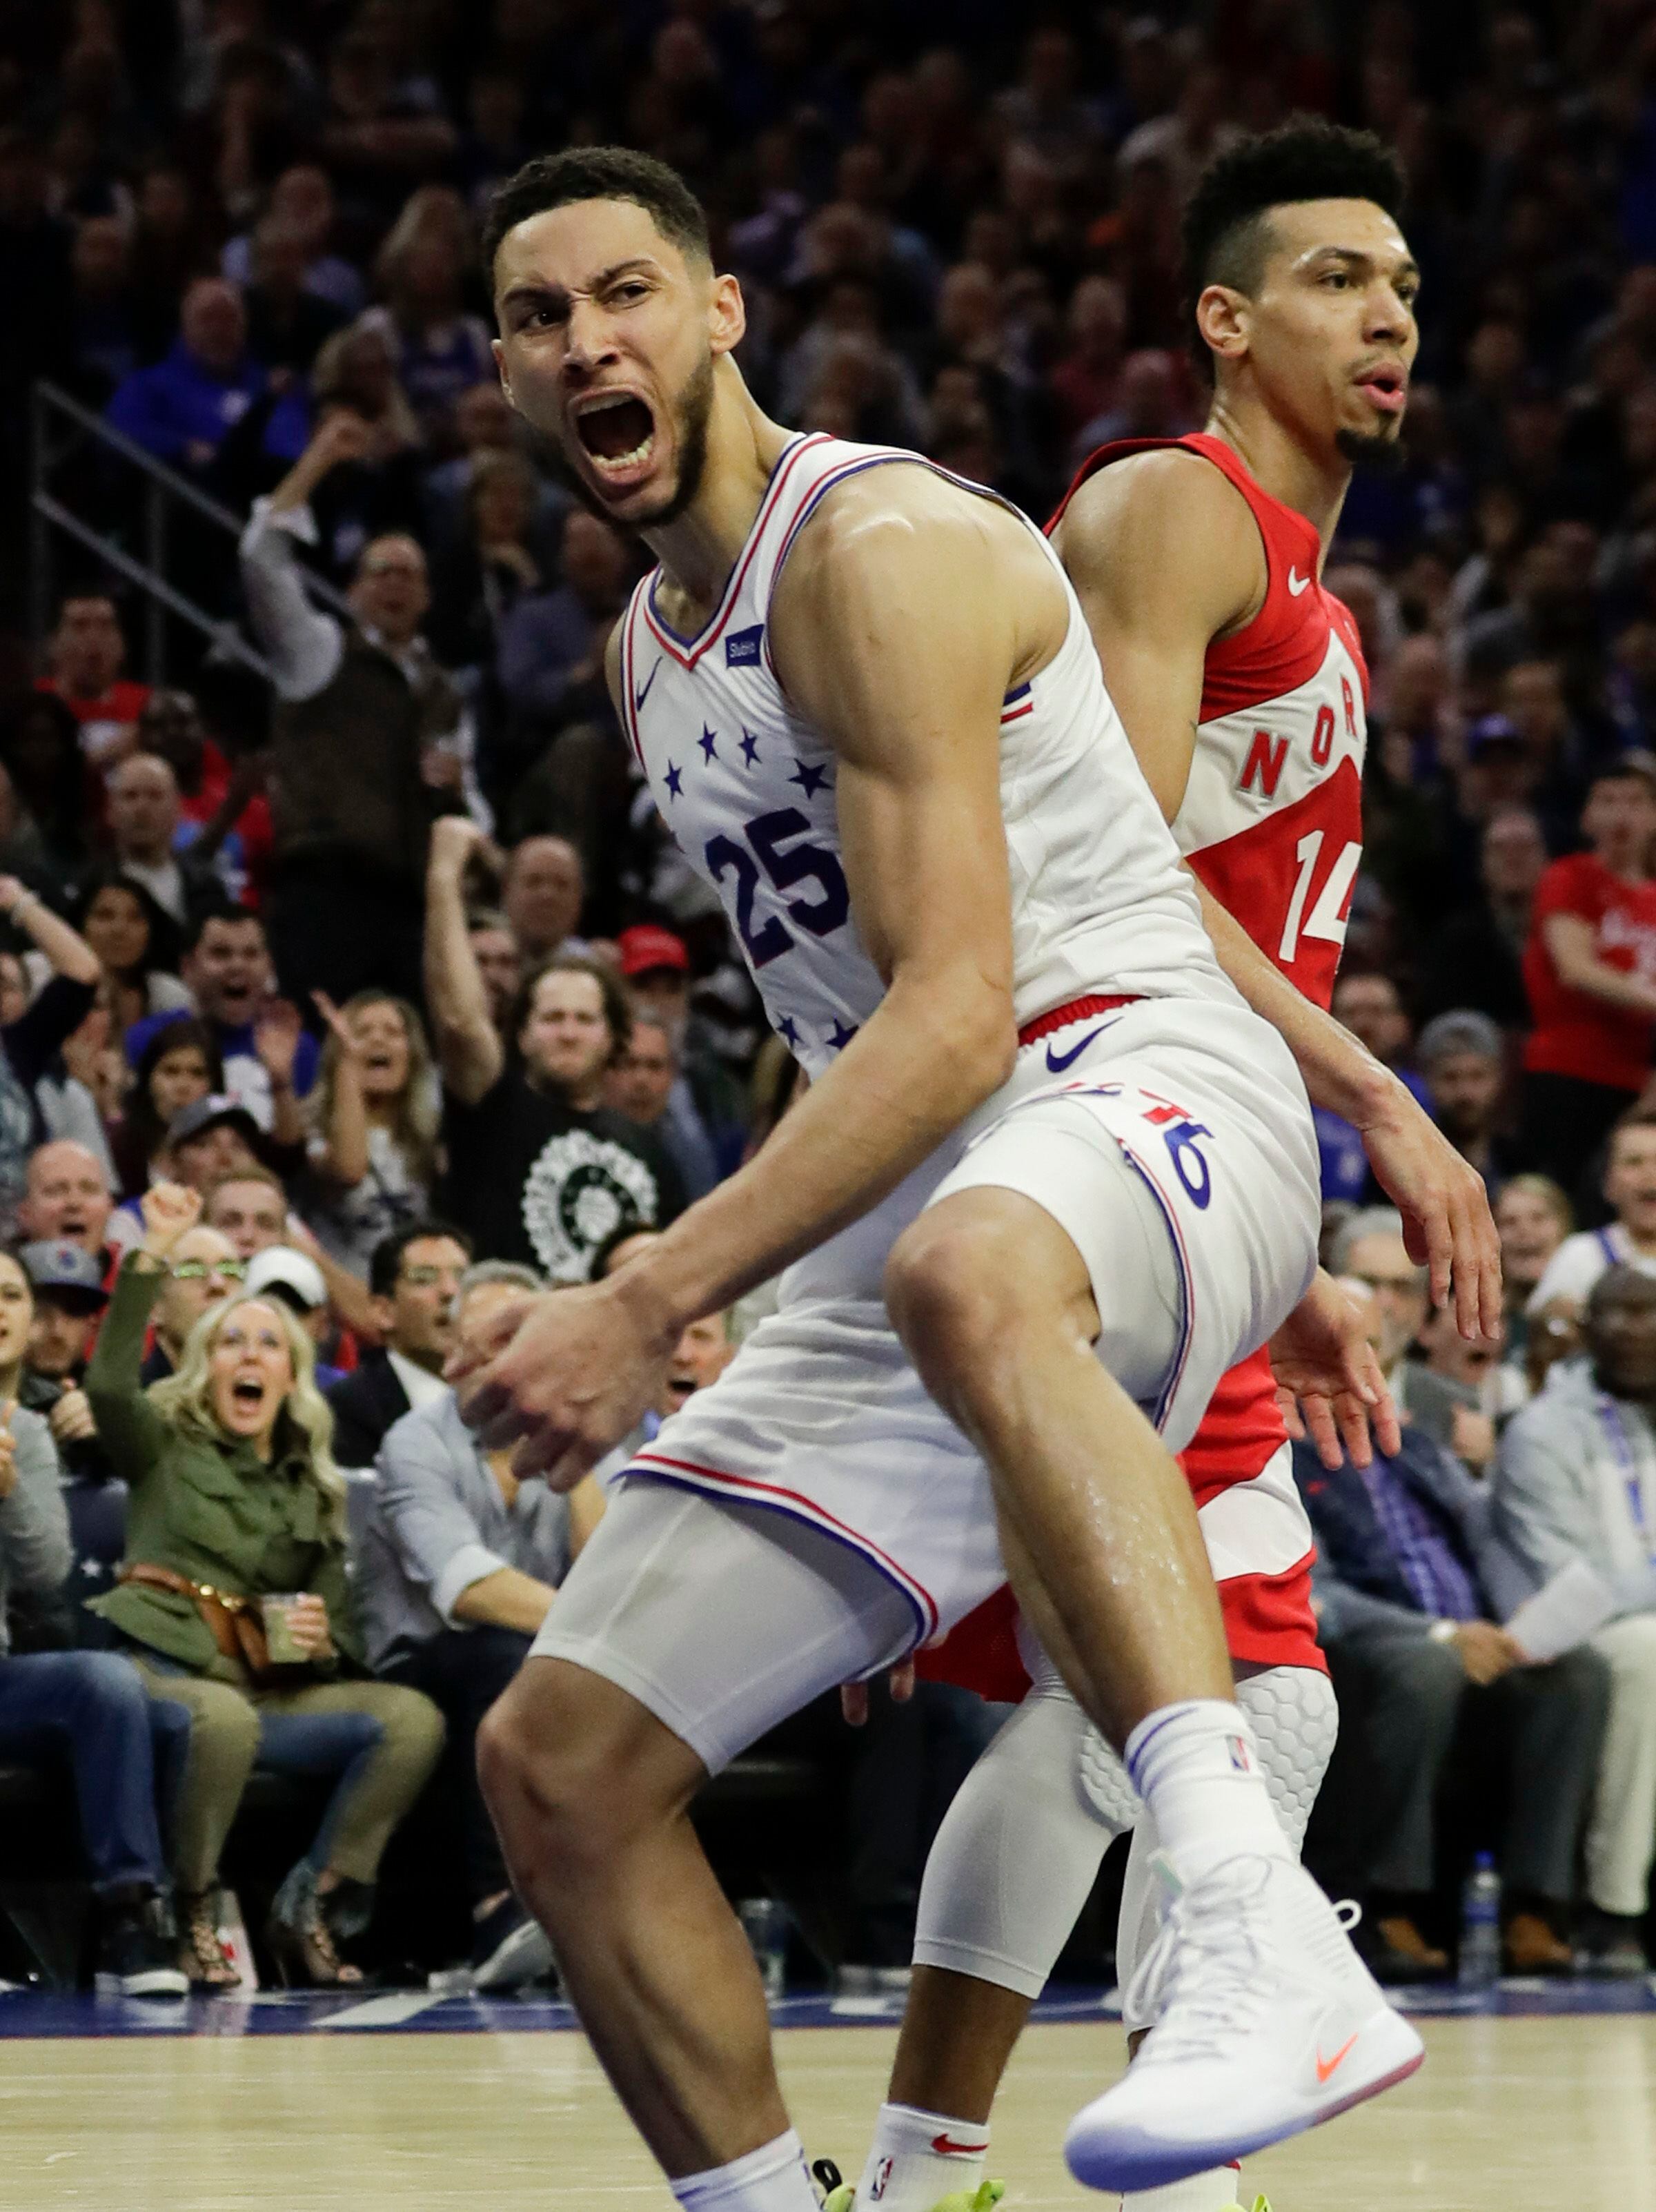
1272, 824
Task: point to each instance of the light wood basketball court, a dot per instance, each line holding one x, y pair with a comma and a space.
1508, 2114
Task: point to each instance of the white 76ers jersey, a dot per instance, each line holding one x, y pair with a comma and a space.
747, 787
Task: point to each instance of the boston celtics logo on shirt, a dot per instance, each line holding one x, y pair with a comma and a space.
579, 1192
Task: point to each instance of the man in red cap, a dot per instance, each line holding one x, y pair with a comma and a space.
705, 1121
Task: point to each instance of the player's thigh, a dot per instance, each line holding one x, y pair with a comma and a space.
720, 1619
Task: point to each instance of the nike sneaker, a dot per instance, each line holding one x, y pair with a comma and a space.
1267, 2023
983, 2198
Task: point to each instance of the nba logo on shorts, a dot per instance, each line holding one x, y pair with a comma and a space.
1240, 1757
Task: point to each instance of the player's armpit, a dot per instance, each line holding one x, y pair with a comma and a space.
1165, 556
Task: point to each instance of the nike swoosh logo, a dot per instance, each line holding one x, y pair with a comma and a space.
1296, 584
1057, 1061
946, 2146
1327, 2067
639, 697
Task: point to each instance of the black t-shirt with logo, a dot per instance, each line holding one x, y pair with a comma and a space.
535, 1179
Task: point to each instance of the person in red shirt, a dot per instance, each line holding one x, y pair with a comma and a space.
85, 654
1590, 972
226, 810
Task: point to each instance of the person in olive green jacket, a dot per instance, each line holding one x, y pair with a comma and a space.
234, 1495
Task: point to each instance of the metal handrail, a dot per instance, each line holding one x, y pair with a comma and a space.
164, 488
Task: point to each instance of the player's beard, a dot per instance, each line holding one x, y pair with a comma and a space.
1381, 451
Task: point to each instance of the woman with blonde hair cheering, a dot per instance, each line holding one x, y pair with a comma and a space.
233, 1600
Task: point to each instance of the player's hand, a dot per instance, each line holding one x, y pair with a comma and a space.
1329, 1380
580, 1368
854, 1696
1487, 1652
1447, 1223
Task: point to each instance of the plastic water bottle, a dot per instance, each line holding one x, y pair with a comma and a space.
1479, 1965
765, 1923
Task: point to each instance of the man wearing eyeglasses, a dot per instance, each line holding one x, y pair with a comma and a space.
413, 1278
204, 1268
370, 742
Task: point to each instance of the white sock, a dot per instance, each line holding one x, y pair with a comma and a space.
772, 2179
1199, 2192
1197, 1767
918, 2157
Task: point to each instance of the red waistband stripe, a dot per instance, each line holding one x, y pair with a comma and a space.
1077, 1010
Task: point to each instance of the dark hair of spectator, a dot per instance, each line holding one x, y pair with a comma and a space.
598, 172
1638, 1116
1225, 232
1630, 769
386, 1263
617, 1007
142, 1129
198, 925
160, 951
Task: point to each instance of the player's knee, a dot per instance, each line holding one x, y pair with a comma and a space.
956, 1289
558, 1771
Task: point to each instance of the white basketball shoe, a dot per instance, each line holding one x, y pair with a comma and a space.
1267, 2023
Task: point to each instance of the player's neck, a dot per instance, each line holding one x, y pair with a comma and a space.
698, 548
1312, 483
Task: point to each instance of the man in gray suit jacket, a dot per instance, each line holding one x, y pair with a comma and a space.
1576, 1480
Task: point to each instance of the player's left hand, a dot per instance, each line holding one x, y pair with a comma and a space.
1447, 1223
563, 1376
1329, 1380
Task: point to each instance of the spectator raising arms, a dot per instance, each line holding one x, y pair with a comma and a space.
371, 743
234, 1490
539, 1171
29, 1044
373, 1150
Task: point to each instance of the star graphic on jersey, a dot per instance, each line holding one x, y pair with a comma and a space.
750, 747
674, 781
840, 1037
809, 780
788, 1030
709, 742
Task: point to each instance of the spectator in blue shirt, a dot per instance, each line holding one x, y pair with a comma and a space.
183, 407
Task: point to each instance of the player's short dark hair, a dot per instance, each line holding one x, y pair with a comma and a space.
1225, 232
598, 172
386, 1261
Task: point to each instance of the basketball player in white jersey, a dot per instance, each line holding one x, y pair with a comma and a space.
1241, 685
1042, 1130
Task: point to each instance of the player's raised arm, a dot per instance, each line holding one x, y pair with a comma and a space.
892, 633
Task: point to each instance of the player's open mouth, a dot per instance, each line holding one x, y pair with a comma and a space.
1387, 388
618, 432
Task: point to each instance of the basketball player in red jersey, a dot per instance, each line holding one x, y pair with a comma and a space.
1242, 687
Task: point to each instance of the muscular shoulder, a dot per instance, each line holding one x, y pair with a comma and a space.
902, 552
1163, 525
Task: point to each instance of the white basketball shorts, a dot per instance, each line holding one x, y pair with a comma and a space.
1173, 1141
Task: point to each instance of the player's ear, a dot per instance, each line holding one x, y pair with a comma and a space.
727, 315
499, 352
1222, 316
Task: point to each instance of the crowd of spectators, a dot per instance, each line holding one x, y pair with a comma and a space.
390, 967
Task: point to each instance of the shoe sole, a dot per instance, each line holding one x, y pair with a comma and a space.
524, 1956
155, 1982
1102, 2154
